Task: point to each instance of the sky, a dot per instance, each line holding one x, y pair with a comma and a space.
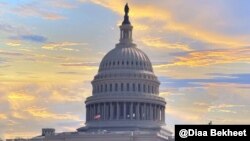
50, 51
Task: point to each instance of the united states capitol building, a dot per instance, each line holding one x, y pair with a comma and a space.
125, 104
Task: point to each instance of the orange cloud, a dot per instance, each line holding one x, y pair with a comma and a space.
43, 113
62, 46
19, 99
3, 116
62, 97
211, 57
164, 16
13, 44
159, 43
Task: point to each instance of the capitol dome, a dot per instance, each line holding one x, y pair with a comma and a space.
125, 94
125, 57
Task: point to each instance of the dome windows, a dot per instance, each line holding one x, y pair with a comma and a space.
125, 87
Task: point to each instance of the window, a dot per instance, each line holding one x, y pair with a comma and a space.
127, 62
116, 87
121, 86
122, 62
106, 87
110, 87
127, 86
148, 89
139, 87
134, 87
144, 88
101, 88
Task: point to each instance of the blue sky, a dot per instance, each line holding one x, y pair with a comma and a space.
50, 52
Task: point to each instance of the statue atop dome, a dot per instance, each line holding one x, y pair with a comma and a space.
126, 17
126, 9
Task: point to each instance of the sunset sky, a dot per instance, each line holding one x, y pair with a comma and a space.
50, 51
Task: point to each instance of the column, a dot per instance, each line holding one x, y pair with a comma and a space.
117, 110
156, 117
158, 113
111, 111
91, 112
87, 111
163, 113
154, 109
104, 111
124, 110
137, 111
151, 111
144, 111
131, 111
98, 108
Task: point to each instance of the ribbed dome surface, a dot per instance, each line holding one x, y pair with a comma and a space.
126, 58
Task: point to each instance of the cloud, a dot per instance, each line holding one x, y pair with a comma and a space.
45, 114
211, 57
225, 108
10, 53
169, 23
3, 116
9, 28
80, 64
36, 10
160, 43
13, 44
233, 80
19, 100
69, 73
62, 46
31, 37
59, 96
61, 3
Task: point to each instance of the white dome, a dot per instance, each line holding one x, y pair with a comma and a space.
129, 57
125, 94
